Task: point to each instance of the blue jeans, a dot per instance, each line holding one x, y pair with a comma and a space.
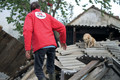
39, 60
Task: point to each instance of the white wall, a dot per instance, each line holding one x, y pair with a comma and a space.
93, 17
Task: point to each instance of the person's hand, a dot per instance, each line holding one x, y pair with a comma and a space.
64, 46
27, 53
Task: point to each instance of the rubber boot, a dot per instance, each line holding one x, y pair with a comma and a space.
52, 76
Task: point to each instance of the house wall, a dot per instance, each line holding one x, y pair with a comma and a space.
93, 17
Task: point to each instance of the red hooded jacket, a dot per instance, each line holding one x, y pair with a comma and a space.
38, 30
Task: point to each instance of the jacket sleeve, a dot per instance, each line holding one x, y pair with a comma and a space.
59, 27
27, 32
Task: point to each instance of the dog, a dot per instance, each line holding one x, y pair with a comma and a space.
89, 40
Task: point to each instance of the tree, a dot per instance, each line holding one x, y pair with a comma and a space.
20, 8
60, 9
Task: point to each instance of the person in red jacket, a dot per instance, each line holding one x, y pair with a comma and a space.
38, 35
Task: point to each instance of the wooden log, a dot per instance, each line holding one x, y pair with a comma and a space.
22, 70
85, 70
28, 74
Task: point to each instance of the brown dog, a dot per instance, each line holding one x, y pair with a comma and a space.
89, 40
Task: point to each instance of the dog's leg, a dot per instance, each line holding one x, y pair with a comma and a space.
88, 44
92, 45
85, 45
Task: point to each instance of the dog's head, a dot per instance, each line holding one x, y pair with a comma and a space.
86, 38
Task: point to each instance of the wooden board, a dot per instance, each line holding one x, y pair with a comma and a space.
2, 35
98, 73
27, 75
85, 70
4, 39
11, 54
19, 61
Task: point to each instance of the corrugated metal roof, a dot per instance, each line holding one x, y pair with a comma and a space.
87, 25
68, 57
96, 26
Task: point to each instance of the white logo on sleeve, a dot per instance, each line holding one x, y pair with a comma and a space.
40, 15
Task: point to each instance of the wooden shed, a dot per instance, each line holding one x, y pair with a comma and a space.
99, 25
